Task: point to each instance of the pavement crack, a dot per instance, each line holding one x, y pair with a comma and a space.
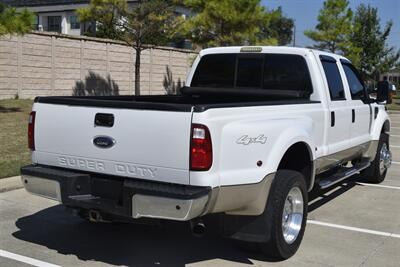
373, 252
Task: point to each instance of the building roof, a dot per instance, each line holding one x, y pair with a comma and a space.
32, 3
28, 3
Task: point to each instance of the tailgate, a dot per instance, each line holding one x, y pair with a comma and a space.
148, 144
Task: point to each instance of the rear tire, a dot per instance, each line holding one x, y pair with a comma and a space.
286, 211
376, 173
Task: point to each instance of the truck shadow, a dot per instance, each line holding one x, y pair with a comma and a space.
318, 197
169, 244
125, 244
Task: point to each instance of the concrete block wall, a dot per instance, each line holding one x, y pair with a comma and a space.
46, 64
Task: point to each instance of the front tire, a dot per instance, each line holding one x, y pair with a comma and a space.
287, 213
376, 173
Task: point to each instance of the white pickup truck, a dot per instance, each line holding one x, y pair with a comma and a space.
253, 132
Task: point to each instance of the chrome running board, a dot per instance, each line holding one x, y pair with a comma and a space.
343, 173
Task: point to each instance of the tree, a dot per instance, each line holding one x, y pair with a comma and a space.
334, 27
13, 22
376, 56
279, 27
148, 22
106, 14
227, 22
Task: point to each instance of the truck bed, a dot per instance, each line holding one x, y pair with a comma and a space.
149, 136
180, 103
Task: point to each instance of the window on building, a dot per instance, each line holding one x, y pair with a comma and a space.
54, 24
35, 22
74, 22
355, 84
88, 27
335, 83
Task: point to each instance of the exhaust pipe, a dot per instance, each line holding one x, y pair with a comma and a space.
198, 228
94, 216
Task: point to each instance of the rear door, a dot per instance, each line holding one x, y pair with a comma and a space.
147, 144
361, 113
338, 133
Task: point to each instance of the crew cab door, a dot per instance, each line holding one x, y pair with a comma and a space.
338, 128
360, 111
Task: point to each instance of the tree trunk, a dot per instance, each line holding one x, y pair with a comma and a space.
333, 47
137, 72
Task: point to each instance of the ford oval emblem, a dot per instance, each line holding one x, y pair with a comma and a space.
103, 141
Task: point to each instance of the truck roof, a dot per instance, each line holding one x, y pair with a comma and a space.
266, 49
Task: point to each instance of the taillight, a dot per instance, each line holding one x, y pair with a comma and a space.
31, 131
200, 148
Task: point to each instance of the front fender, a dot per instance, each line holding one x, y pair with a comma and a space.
382, 121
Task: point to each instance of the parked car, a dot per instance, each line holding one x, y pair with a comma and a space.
253, 132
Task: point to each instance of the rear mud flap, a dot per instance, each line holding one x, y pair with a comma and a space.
246, 228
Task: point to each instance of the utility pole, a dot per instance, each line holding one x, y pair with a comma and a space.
294, 33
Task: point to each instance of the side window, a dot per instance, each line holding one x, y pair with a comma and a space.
355, 84
334, 79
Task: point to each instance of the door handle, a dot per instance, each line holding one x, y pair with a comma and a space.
353, 115
332, 118
376, 111
104, 120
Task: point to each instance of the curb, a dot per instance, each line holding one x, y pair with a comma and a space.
11, 183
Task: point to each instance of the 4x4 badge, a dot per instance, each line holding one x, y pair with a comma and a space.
245, 140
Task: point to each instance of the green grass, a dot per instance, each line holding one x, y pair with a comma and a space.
14, 151
395, 103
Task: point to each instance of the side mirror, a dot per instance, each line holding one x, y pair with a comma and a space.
384, 93
370, 90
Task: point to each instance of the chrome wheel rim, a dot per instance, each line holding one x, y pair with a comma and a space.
385, 158
292, 216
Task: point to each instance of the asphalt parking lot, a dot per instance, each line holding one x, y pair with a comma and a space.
352, 224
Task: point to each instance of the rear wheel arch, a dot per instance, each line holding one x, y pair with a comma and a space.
299, 157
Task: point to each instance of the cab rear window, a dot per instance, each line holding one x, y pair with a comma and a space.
215, 71
261, 71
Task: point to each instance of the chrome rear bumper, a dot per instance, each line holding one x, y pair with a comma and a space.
42, 187
167, 208
126, 197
